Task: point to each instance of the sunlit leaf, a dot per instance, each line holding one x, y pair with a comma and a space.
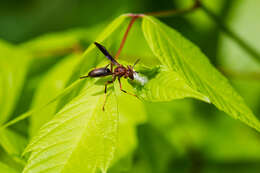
60, 43
50, 86
13, 68
6, 169
131, 114
12, 142
92, 56
90, 60
180, 55
168, 85
89, 135
80, 138
131, 52
11, 161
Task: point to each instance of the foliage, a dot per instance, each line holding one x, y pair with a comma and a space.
171, 121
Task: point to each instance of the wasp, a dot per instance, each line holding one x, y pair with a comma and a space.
117, 73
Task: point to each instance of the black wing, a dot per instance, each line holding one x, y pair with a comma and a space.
105, 52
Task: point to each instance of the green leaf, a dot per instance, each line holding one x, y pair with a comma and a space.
168, 85
198, 18
6, 169
87, 140
92, 56
12, 142
234, 60
61, 42
182, 56
186, 126
81, 137
11, 161
131, 114
180, 125
241, 20
130, 53
155, 152
50, 86
90, 59
13, 68
129, 118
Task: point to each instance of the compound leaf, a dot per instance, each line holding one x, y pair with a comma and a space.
182, 56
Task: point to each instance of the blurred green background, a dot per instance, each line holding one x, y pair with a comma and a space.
179, 136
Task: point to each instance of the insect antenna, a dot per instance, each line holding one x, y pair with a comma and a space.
136, 62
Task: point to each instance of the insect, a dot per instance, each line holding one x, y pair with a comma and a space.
119, 72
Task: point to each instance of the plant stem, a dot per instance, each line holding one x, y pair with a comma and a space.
166, 13
197, 4
169, 13
243, 44
125, 35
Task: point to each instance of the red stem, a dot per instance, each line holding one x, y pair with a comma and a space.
168, 13
158, 14
134, 17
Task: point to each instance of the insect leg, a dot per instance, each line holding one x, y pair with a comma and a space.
125, 90
111, 67
107, 83
106, 65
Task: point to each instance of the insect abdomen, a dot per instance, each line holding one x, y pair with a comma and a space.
99, 72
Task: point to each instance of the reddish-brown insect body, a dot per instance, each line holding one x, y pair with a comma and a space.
118, 72
122, 71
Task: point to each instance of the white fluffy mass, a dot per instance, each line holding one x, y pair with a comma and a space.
140, 78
